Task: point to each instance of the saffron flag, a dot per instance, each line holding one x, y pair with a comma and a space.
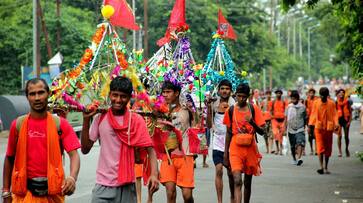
225, 27
176, 21
123, 16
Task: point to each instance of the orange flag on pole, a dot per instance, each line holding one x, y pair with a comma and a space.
123, 16
176, 21
225, 28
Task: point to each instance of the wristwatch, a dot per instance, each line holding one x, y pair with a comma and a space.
6, 194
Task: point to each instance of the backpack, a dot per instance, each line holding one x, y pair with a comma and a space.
252, 110
57, 120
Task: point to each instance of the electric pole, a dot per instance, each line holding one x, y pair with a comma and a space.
36, 39
271, 33
146, 28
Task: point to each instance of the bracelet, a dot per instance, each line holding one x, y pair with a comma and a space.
73, 179
6, 194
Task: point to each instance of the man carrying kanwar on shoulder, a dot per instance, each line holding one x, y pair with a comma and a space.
325, 120
215, 115
344, 111
33, 168
309, 108
278, 119
119, 131
241, 153
179, 169
295, 124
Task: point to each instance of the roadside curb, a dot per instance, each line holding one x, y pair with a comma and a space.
4, 134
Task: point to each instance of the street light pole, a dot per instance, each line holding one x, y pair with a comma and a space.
309, 65
133, 32
300, 42
309, 49
294, 38
288, 37
36, 39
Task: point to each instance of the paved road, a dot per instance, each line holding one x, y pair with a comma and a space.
280, 182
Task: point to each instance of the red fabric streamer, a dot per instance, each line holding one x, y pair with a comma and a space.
177, 20
225, 28
159, 139
123, 16
195, 141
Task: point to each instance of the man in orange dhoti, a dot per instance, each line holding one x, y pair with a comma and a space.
278, 119
325, 120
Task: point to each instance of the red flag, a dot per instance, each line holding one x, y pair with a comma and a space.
225, 27
123, 16
176, 21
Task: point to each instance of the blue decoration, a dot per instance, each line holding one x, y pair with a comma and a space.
219, 65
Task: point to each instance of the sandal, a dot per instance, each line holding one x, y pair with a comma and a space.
347, 152
320, 171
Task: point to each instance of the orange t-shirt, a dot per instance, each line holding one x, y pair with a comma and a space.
239, 117
266, 108
309, 105
278, 109
343, 109
323, 115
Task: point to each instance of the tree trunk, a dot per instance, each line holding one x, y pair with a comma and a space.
58, 25
44, 29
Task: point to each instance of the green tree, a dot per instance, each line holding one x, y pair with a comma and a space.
350, 48
16, 35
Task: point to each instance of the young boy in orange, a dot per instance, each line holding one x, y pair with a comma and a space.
278, 118
181, 171
325, 120
309, 107
241, 152
344, 118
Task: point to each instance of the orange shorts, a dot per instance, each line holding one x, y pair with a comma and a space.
181, 172
138, 170
245, 159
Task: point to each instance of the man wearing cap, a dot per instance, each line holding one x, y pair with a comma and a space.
278, 118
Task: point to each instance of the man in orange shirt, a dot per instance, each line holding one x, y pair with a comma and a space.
325, 120
241, 152
344, 117
309, 107
278, 118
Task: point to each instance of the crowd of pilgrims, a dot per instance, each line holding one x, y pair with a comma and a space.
162, 147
